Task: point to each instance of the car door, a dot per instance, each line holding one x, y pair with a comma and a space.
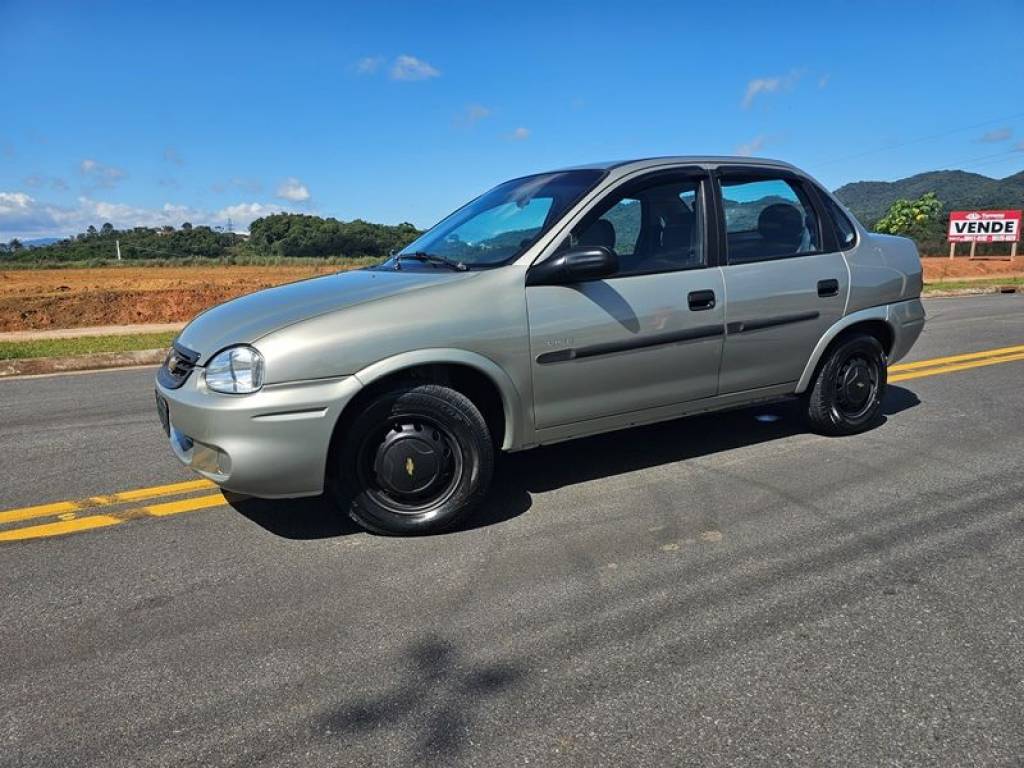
648, 335
785, 278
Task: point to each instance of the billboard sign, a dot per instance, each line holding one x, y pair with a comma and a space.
984, 226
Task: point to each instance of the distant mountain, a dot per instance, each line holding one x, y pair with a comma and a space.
958, 190
39, 242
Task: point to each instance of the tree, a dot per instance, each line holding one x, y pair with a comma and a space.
187, 226
15, 245
107, 228
913, 218
91, 231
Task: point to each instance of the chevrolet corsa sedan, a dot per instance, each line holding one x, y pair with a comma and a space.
554, 306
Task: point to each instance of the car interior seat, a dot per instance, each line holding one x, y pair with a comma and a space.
781, 226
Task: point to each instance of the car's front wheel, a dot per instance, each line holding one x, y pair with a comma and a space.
846, 397
415, 460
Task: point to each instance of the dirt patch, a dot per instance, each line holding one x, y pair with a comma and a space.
74, 298
41, 299
938, 268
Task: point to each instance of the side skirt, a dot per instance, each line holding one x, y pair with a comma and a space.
662, 413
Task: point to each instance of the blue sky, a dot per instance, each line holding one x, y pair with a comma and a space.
154, 113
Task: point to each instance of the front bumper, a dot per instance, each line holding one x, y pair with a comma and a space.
272, 443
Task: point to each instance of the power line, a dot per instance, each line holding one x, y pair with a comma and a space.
922, 139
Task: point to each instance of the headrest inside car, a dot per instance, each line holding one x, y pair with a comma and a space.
600, 233
781, 223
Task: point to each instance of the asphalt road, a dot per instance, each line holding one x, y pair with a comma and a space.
717, 591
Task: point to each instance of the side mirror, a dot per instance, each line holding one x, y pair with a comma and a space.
576, 265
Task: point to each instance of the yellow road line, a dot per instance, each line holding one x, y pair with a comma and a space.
159, 490
89, 522
70, 523
936, 361
186, 505
59, 528
920, 374
43, 510
59, 507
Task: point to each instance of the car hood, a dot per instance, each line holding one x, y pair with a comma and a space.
248, 318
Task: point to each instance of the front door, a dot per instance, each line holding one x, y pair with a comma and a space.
648, 336
786, 280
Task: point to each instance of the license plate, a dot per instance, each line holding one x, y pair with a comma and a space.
165, 418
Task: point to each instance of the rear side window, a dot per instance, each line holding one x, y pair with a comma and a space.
845, 231
768, 218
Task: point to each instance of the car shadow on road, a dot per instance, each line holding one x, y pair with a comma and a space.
519, 475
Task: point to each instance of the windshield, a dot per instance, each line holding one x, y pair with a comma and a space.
501, 224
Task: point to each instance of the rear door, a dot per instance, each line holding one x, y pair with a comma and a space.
786, 281
648, 336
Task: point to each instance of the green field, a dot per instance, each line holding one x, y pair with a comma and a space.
961, 285
84, 345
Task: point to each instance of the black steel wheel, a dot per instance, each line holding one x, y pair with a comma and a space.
846, 396
416, 460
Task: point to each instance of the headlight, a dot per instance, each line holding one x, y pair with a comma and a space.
235, 371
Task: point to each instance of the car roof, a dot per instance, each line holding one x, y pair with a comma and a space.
640, 164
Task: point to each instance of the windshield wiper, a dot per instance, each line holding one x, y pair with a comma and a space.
429, 258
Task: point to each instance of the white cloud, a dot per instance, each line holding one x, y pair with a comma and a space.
369, 64
407, 67
100, 175
244, 214
996, 135
761, 85
520, 134
22, 216
294, 190
752, 147
14, 203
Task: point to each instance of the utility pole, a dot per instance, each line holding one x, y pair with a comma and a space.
117, 245
230, 228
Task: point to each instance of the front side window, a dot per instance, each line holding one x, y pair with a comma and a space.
653, 227
501, 224
768, 219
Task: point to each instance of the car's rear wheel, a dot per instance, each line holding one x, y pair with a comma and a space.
846, 397
415, 460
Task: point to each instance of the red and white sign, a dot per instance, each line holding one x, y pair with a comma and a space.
984, 226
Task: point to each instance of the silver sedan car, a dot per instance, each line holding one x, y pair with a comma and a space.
554, 306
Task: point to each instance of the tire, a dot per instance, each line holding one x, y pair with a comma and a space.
846, 397
416, 460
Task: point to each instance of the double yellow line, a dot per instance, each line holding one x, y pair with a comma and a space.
69, 521
104, 511
953, 363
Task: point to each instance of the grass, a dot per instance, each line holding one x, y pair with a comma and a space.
957, 285
84, 345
